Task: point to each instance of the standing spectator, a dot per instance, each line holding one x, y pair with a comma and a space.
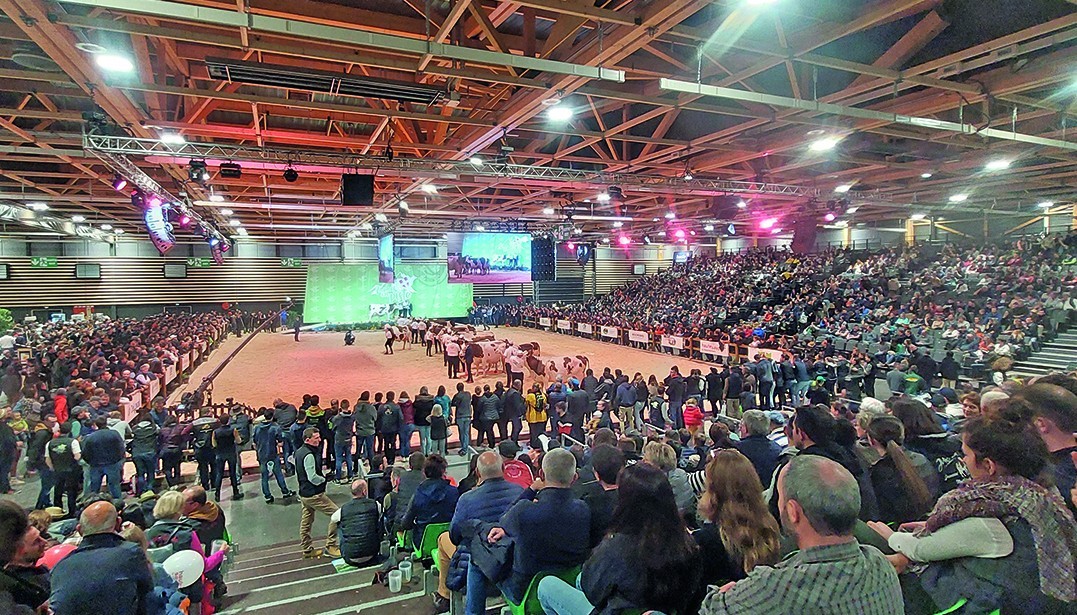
174, 439
144, 451
366, 416
757, 446
423, 407
342, 425
120, 581
308, 469
407, 425
267, 437
831, 573
488, 410
225, 440
535, 415
202, 441
389, 424
439, 431
461, 410
513, 408
40, 435
715, 385
286, 415
693, 417
62, 454
950, 370
103, 451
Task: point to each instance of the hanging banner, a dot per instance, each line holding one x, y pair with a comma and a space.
153, 214
609, 331
583, 327
713, 348
564, 325
544, 322
672, 341
639, 336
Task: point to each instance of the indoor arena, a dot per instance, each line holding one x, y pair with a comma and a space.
538, 307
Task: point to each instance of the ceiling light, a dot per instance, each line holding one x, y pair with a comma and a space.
776, 231
1046, 204
226, 212
842, 223
106, 227
173, 138
624, 241
852, 210
670, 215
741, 205
114, 63
918, 216
216, 198
842, 189
241, 232
475, 160
688, 175
479, 227
290, 175
679, 233
603, 197
578, 231
548, 211
824, 145
647, 239
119, 231
768, 223
230, 170
709, 228
926, 175
618, 224
234, 222
560, 113
605, 240
78, 218
429, 188
998, 164
959, 198
402, 204
119, 182
830, 217
38, 205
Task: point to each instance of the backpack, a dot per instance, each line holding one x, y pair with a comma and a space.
952, 471
163, 546
203, 438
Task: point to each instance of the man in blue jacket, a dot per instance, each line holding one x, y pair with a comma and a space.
486, 503
267, 437
551, 529
434, 500
120, 581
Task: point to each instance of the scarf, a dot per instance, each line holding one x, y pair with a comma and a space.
207, 512
1013, 497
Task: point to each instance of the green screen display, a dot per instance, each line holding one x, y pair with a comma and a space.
352, 293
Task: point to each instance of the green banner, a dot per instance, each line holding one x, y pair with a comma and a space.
198, 262
291, 262
43, 261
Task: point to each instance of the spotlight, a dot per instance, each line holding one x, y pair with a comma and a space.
475, 160
173, 138
185, 220
402, 208
77, 218
429, 188
106, 227
768, 223
380, 217
290, 175
709, 228
830, 217
692, 233
119, 231
959, 198
230, 170
851, 210
999, 164
842, 189
547, 211
603, 197
918, 216
234, 222
197, 172
577, 231
1046, 205
623, 240
662, 233
226, 212
647, 239
38, 205
119, 182
114, 63
688, 176
776, 231
605, 240
213, 241
824, 144
480, 228
742, 205
560, 113
670, 215
154, 201
216, 198
679, 233
571, 246
618, 224
926, 175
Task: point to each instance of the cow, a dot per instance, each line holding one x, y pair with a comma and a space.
531, 348
489, 356
547, 369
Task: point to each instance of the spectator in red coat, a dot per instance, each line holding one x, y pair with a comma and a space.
515, 470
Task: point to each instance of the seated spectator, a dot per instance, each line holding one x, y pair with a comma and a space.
756, 446
831, 573
902, 495
359, 524
966, 557
663, 457
645, 562
549, 527
434, 500
406, 484
516, 471
485, 503
1056, 421
24, 586
177, 534
608, 461
924, 435
738, 532
206, 517
120, 581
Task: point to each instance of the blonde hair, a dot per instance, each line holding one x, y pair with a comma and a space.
661, 455
437, 411
39, 519
733, 500
169, 505
133, 533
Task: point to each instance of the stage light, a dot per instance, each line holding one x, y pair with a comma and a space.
618, 224
999, 164
1046, 205
185, 220
578, 231
605, 240
560, 112
154, 201
768, 223
402, 208
741, 205
225, 212
842, 189
692, 233
106, 227
213, 241
959, 198
926, 175
173, 138
38, 205
290, 175
824, 144
548, 211
662, 233
119, 182
119, 231
234, 222
429, 188
197, 172
216, 198
732, 230
776, 231
230, 170
670, 215
829, 217
114, 63
851, 210
603, 197
842, 223
475, 160
647, 239
709, 228
624, 241
571, 246
917, 216
380, 217
479, 227
77, 218
679, 233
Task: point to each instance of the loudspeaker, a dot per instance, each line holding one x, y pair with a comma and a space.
543, 267
356, 190
724, 207
804, 232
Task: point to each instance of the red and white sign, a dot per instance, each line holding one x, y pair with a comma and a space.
713, 348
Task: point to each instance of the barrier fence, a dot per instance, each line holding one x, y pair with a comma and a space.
173, 376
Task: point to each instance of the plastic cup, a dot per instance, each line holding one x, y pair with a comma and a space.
405, 570
394, 581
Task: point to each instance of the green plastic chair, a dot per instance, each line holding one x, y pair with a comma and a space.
530, 604
957, 606
428, 547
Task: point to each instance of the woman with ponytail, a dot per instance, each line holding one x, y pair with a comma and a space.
902, 494
1002, 539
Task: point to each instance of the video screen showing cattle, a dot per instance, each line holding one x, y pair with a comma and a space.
489, 258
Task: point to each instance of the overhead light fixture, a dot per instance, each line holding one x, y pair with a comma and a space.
106, 227
234, 222
38, 205
547, 211
926, 175
475, 160
216, 198
647, 239
603, 197
623, 240
119, 182
213, 241
842, 223
824, 144
119, 231
830, 217
999, 164
230, 170
679, 234
1046, 205
741, 205
618, 224
670, 215
226, 212
560, 112
479, 227
708, 228
114, 63
577, 231
852, 210
776, 231
429, 188
605, 240
290, 175
959, 198
842, 189
173, 138
917, 216
768, 223
242, 232
197, 172
77, 218
380, 217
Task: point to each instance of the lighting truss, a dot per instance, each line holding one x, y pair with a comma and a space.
25, 216
132, 146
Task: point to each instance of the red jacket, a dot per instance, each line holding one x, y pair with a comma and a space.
517, 472
693, 416
59, 408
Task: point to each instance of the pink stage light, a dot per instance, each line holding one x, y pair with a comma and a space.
154, 201
829, 217
624, 241
571, 246
776, 231
679, 234
768, 223
184, 220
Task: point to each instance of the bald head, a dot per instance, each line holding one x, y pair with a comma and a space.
359, 489
99, 518
490, 465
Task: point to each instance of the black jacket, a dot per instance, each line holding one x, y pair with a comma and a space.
512, 404
423, 405
361, 529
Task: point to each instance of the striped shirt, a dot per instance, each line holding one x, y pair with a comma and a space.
842, 579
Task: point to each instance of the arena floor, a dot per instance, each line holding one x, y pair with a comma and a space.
273, 365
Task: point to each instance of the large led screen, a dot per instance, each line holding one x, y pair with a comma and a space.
385, 259
339, 293
489, 258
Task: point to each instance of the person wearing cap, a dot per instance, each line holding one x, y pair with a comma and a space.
515, 471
